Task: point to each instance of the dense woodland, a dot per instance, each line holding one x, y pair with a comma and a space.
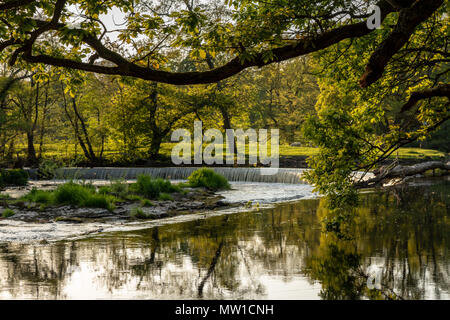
100, 119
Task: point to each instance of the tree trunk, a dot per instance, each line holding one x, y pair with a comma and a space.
92, 157
155, 145
88, 150
227, 125
402, 172
31, 152
44, 118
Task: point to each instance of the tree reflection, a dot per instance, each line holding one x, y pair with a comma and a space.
402, 233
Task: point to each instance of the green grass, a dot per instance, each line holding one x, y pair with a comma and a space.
152, 188
166, 186
119, 187
288, 151
99, 201
418, 153
104, 190
86, 195
146, 203
59, 151
8, 213
70, 193
133, 197
147, 187
207, 178
402, 153
165, 197
39, 196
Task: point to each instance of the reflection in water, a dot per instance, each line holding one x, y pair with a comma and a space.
400, 237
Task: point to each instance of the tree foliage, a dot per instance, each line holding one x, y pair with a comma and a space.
374, 90
357, 128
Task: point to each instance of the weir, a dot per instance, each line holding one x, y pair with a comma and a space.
284, 175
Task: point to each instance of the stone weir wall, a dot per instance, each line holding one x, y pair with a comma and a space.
268, 175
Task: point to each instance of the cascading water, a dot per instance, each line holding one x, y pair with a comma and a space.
283, 175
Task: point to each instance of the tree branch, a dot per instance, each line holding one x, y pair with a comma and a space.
402, 172
442, 90
408, 20
412, 13
8, 5
124, 67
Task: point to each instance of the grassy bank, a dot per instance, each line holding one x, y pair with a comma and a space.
116, 157
145, 189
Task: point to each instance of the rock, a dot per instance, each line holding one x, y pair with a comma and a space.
296, 144
69, 219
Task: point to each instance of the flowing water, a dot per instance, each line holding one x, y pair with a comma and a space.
400, 238
267, 175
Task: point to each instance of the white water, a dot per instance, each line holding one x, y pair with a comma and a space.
282, 175
262, 194
243, 192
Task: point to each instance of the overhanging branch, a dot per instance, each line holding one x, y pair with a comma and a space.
8, 5
124, 67
412, 13
442, 90
408, 20
400, 171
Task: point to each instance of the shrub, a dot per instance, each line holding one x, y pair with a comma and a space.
165, 197
8, 213
14, 177
119, 187
146, 186
88, 185
71, 193
43, 197
207, 178
151, 188
47, 169
166, 186
83, 196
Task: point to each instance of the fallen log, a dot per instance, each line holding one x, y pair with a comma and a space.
399, 171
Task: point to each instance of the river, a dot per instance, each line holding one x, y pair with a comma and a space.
400, 238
